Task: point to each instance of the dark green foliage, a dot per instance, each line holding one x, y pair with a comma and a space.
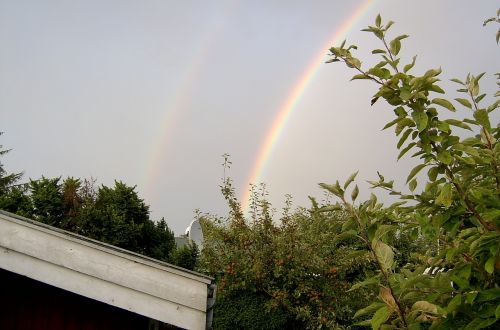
17, 201
123, 202
247, 310
186, 256
71, 197
117, 217
7, 180
47, 199
12, 196
114, 215
157, 241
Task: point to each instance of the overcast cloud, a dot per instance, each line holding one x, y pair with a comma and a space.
154, 92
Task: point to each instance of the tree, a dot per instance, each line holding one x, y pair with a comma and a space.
47, 200
299, 268
429, 260
459, 203
124, 202
12, 194
186, 256
157, 241
117, 216
113, 215
7, 180
17, 201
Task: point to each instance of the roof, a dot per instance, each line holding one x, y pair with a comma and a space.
105, 273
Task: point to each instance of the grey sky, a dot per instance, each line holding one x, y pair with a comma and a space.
154, 92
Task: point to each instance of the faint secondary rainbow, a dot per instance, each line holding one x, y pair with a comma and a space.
294, 97
173, 109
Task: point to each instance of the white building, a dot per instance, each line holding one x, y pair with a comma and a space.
155, 291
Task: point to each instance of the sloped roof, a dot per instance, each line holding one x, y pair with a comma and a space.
105, 273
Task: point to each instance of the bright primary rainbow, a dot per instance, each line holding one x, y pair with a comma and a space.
294, 97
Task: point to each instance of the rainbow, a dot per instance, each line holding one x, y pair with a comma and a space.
166, 125
173, 109
294, 97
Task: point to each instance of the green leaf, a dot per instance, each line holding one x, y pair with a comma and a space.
464, 102
443, 127
378, 51
480, 323
424, 306
407, 67
365, 323
404, 137
350, 179
353, 62
421, 119
474, 88
380, 317
350, 223
437, 89
400, 112
378, 20
382, 73
445, 196
384, 254
402, 124
432, 73
330, 208
482, 118
382, 231
395, 46
471, 296
367, 282
488, 295
405, 93
405, 150
415, 171
391, 123
388, 25
458, 123
334, 189
479, 76
433, 173
369, 309
444, 103
468, 149
355, 193
412, 185
445, 157
479, 98
345, 235
401, 37
356, 254
497, 312
454, 303
360, 76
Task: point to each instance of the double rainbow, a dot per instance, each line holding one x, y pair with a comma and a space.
279, 123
